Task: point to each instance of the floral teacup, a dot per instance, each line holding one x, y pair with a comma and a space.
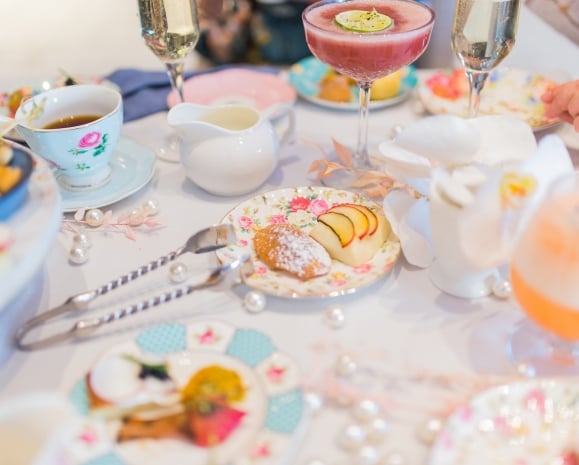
76, 129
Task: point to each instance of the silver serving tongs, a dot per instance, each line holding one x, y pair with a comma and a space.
206, 240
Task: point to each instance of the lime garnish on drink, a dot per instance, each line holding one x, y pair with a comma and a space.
363, 20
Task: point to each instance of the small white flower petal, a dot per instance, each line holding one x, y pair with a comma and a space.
399, 161
451, 190
447, 139
409, 218
503, 139
469, 175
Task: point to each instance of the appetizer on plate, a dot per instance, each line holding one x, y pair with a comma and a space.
508, 91
320, 225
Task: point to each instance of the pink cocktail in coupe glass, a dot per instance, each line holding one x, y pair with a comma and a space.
367, 56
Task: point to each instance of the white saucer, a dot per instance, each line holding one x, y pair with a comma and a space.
132, 166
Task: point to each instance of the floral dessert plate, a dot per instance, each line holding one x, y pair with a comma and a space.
300, 206
522, 423
240, 396
307, 74
259, 89
508, 91
132, 167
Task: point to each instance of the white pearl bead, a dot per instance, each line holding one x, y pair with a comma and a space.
377, 429
352, 437
346, 366
150, 207
314, 401
82, 240
94, 217
335, 317
365, 410
502, 288
367, 455
78, 255
254, 301
429, 430
178, 272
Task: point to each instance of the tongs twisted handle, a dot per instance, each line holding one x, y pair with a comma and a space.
206, 240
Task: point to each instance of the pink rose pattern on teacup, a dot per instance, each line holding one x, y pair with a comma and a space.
95, 141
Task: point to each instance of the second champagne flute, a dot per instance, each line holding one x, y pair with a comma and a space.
171, 30
483, 34
366, 40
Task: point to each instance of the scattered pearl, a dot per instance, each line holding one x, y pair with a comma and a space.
502, 288
94, 217
352, 437
367, 455
81, 240
335, 317
136, 217
365, 410
78, 255
254, 301
346, 366
377, 429
394, 458
429, 430
150, 207
178, 272
314, 401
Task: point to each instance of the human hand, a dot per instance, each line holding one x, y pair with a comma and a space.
562, 102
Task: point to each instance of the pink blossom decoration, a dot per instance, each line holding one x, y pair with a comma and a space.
278, 219
208, 337
245, 222
90, 140
362, 269
276, 373
299, 203
318, 206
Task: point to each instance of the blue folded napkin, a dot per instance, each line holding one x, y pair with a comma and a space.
145, 92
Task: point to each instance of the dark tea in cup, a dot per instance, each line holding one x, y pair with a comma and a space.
72, 121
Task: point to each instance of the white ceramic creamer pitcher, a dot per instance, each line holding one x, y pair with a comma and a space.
229, 149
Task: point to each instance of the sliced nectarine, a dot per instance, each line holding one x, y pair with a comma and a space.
341, 225
358, 218
370, 215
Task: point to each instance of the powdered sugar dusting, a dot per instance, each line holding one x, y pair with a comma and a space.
286, 247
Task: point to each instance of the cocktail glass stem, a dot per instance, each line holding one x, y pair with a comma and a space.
175, 71
361, 158
476, 81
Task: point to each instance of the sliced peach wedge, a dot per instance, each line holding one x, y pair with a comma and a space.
358, 218
341, 225
370, 215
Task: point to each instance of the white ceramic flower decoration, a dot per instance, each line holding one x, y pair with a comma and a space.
462, 221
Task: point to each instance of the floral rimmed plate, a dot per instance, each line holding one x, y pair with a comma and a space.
307, 74
273, 405
300, 206
523, 423
508, 91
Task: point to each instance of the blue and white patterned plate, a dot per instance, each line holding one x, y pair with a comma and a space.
273, 403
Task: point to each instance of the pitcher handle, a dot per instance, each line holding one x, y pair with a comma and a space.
279, 112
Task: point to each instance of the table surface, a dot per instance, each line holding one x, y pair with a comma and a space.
402, 330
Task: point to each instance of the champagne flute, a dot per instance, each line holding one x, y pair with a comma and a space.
544, 275
366, 55
483, 34
170, 29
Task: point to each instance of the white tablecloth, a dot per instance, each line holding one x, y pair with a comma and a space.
402, 325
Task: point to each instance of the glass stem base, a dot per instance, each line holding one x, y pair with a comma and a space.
476, 83
535, 352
